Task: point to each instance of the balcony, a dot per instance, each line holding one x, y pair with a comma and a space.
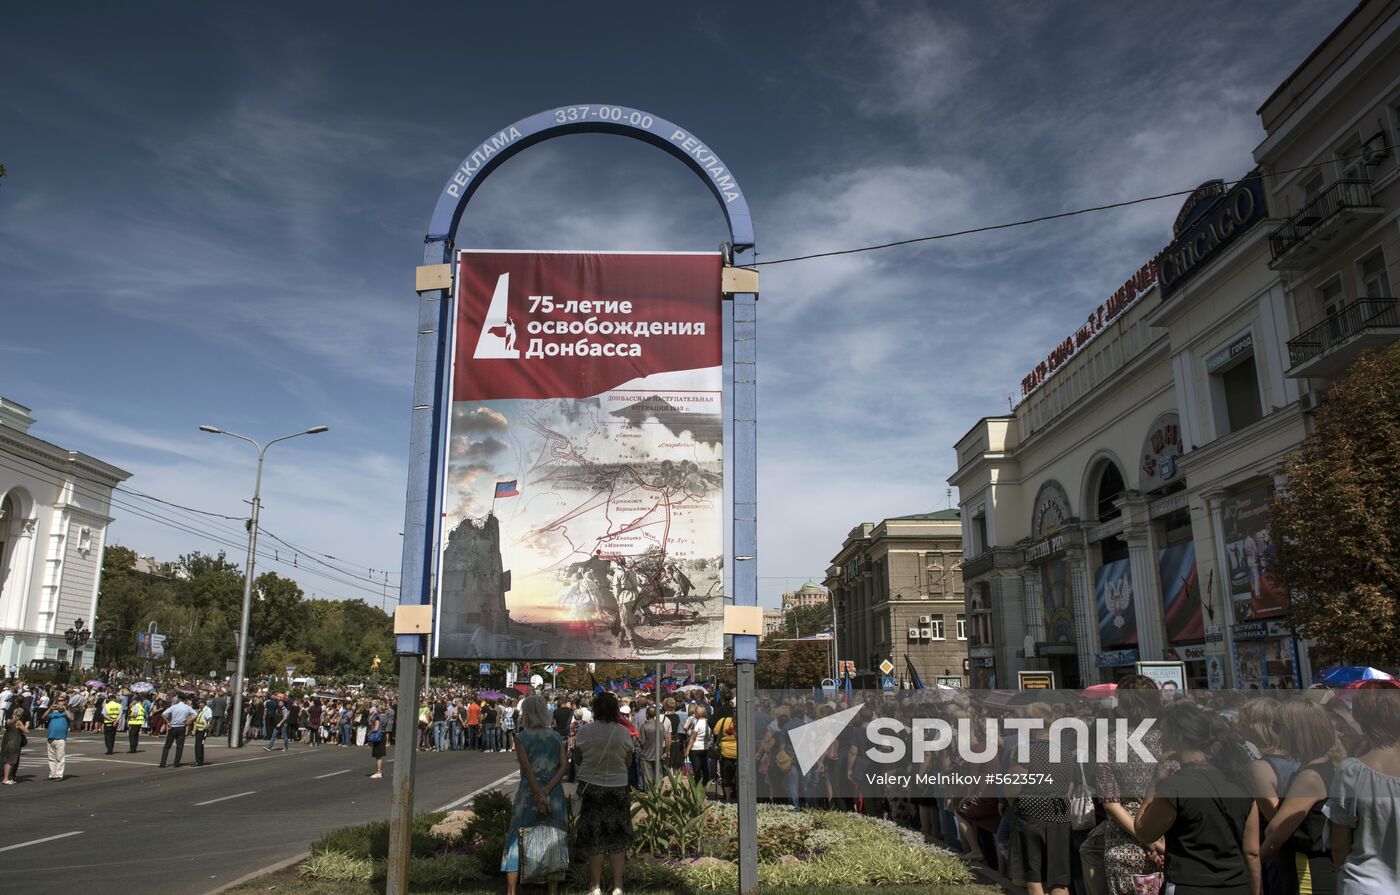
1327, 349
1337, 212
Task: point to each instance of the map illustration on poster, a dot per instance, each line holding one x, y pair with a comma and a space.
1250, 550
1117, 612
583, 495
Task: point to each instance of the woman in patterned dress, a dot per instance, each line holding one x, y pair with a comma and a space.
1121, 787
539, 800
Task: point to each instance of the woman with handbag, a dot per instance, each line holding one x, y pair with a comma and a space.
375, 737
1039, 852
1123, 785
602, 750
12, 742
537, 842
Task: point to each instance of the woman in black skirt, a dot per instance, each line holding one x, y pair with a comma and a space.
602, 750
1040, 831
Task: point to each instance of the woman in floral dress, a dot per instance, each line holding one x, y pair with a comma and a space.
1122, 785
539, 800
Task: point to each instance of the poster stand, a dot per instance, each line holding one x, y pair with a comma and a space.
431, 403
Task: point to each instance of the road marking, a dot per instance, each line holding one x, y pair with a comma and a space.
332, 774
471, 795
45, 839
226, 798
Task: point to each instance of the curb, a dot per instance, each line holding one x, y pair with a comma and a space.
264, 871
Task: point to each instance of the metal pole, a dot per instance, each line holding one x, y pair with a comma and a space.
662, 745
401, 806
235, 735
744, 334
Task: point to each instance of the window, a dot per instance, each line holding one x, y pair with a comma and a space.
979, 535
1311, 188
1350, 165
1375, 279
936, 626
1234, 386
962, 626
1110, 489
63, 655
1330, 296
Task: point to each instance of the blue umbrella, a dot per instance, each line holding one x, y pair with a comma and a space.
142, 687
1341, 675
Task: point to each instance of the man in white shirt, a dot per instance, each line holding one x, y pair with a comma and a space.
179, 715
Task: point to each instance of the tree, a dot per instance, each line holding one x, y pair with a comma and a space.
784, 663
803, 621
1337, 521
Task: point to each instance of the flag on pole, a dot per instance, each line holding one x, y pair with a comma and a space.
914, 679
507, 489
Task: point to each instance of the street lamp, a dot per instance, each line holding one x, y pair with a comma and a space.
77, 637
235, 734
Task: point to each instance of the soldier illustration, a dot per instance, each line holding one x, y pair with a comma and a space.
628, 590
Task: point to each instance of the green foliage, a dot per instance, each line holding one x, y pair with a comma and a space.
372, 840
447, 871
200, 608
1336, 523
493, 810
670, 819
784, 663
801, 621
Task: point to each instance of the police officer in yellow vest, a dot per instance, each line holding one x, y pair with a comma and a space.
135, 720
111, 717
203, 719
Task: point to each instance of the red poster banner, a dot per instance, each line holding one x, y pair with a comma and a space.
583, 494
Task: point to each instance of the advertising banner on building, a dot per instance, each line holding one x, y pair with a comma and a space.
1117, 616
1249, 547
1181, 593
1055, 600
583, 491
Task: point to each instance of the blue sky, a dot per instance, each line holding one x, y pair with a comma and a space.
213, 213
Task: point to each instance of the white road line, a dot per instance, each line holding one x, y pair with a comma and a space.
45, 839
226, 798
331, 774
471, 795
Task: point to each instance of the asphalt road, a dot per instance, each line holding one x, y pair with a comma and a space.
119, 823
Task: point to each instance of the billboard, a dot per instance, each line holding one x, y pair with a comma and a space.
583, 492
150, 646
1117, 613
1249, 547
1181, 593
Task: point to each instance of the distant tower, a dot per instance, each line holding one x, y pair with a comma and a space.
474, 586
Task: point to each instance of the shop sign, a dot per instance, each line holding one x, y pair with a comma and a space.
1115, 658
1262, 629
1214, 634
1169, 504
1102, 316
1230, 352
1045, 548
1206, 233
1187, 653
1161, 450
1035, 680
950, 682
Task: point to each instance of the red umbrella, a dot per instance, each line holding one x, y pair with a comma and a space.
1100, 691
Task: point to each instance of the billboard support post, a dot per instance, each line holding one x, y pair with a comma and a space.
431, 408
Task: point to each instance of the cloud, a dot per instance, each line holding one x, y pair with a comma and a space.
477, 420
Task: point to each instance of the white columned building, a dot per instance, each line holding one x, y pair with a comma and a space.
55, 506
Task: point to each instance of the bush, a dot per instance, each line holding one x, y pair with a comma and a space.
669, 821
372, 840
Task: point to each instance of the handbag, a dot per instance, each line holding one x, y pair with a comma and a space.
1081, 804
1147, 883
544, 852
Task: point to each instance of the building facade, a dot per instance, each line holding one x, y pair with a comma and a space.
772, 622
55, 507
1121, 512
808, 595
897, 590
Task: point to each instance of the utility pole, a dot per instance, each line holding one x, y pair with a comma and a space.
235, 734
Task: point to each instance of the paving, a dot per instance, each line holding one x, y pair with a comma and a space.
124, 824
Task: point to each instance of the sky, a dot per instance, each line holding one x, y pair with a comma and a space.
213, 213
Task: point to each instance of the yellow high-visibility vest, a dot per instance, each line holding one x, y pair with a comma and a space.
201, 721
136, 715
112, 712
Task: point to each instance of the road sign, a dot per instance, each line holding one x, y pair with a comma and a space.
536, 681
887, 668
290, 670
887, 682
483, 668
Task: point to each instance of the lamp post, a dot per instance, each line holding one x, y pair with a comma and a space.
235, 734
77, 637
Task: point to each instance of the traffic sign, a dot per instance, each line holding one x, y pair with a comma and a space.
483, 668
887, 682
536, 681
887, 668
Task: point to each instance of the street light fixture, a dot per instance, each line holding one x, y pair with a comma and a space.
235, 734
77, 637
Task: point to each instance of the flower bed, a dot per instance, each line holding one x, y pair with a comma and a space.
683, 843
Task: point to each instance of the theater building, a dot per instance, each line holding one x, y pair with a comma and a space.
1121, 511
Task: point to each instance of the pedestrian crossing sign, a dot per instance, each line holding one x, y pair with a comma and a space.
887, 683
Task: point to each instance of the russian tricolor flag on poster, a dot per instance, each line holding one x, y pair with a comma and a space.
507, 489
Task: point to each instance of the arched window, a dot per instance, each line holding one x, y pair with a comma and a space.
9, 530
1110, 488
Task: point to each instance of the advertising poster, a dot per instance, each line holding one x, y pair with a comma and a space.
1249, 549
1266, 665
1055, 597
1169, 676
583, 492
1181, 593
1117, 617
